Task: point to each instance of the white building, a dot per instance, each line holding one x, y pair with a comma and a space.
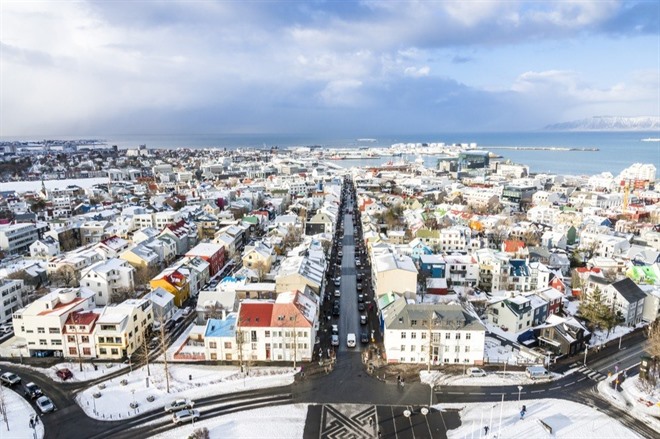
440, 333
11, 291
393, 273
121, 329
107, 277
40, 323
45, 248
16, 238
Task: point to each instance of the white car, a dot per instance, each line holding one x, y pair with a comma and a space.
185, 416
476, 372
179, 404
45, 404
335, 340
10, 378
350, 340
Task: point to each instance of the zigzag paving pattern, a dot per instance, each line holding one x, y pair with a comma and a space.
348, 421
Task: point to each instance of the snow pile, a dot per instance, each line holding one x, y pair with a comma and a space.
279, 422
601, 336
499, 378
567, 420
113, 397
19, 412
88, 373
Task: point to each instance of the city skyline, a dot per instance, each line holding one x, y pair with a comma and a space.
103, 68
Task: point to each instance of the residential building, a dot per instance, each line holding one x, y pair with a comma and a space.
439, 333
78, 333
11, 291
106, 278
393, 273
511, 314
45, 248
214, 254
220, 341
16, 238
41, 323
162, 303
627, 299
563, 335
174, 282
121, 329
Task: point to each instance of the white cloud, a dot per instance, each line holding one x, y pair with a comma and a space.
417, 72
342, 93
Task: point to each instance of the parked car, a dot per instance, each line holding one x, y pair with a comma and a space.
340, 253
335, 330
32, 391
364, 338
169, 325
360, 298
360, 306
337, 293
334, 341
359, 285
337, 281
363, 319
350, 340
185, 416
335, 310
10, 378
44, 404
179, 404
64, 374
476, 372
187, 310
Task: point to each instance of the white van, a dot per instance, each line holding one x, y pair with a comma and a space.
537, 372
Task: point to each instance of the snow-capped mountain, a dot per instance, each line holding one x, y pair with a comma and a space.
609, 123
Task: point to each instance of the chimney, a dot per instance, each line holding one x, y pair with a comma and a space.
224, 313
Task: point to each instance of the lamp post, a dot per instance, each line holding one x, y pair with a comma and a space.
519, 390
431, 396
586, 348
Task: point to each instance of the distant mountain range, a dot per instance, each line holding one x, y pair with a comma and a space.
609, 123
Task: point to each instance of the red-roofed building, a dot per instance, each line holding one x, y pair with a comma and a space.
281, 330
79, 335
513, 246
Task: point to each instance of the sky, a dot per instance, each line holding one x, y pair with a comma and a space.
339, 68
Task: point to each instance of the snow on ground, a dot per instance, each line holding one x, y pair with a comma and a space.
499, 378
19, 412
567, 419
88, 373
640, 403
186, 381
35, 185
281, 422
601, 337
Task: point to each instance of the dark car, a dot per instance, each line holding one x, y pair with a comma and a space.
360, 306
32, 391
335, 310
360, 298
364, 338
64, 374
169, 325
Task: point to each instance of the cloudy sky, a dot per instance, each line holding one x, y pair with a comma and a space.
319, 67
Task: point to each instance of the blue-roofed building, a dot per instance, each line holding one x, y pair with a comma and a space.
220, 339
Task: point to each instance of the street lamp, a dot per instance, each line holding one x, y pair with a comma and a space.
586, 348
519, 390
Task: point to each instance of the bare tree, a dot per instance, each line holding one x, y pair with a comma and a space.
144, 273
162, 347
142, 354
122, 294
261, 269
213, 311
653, 340
66, 276
3, 406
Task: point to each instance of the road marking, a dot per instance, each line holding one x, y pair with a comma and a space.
394, 423
555, 388
476, 393
456, 393
569, 384
582, 379
537, 391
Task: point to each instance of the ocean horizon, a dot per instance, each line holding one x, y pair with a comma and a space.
616, 149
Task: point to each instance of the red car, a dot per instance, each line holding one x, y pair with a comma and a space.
64, 374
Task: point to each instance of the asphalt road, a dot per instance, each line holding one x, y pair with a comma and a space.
349, 318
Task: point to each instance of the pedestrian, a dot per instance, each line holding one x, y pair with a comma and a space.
398, 379
522, 414
371, 421
524, 408
403, 382
36, 419
486, 430
31, 423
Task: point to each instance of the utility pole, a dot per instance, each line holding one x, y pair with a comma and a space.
586, 348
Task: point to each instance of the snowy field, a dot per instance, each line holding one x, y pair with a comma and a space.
637, 401
282, 422
499, 378
19, 412
186, 381
88, 373
567, 420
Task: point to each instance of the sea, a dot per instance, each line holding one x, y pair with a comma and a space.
615, 150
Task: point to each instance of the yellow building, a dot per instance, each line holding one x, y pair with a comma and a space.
174, 282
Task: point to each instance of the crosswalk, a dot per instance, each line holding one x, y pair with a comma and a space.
590, 373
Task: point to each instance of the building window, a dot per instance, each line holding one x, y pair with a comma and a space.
267, 334
468, 336
413, 335
253, 346
213, 345
412, 348
423, 335
43, 343
403, 334
103, 351
70, 338
114, 351
458, 336
403, 348
87, 352
73, 351
41, 330
228, 357
447, 336
85, 339
467, 348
